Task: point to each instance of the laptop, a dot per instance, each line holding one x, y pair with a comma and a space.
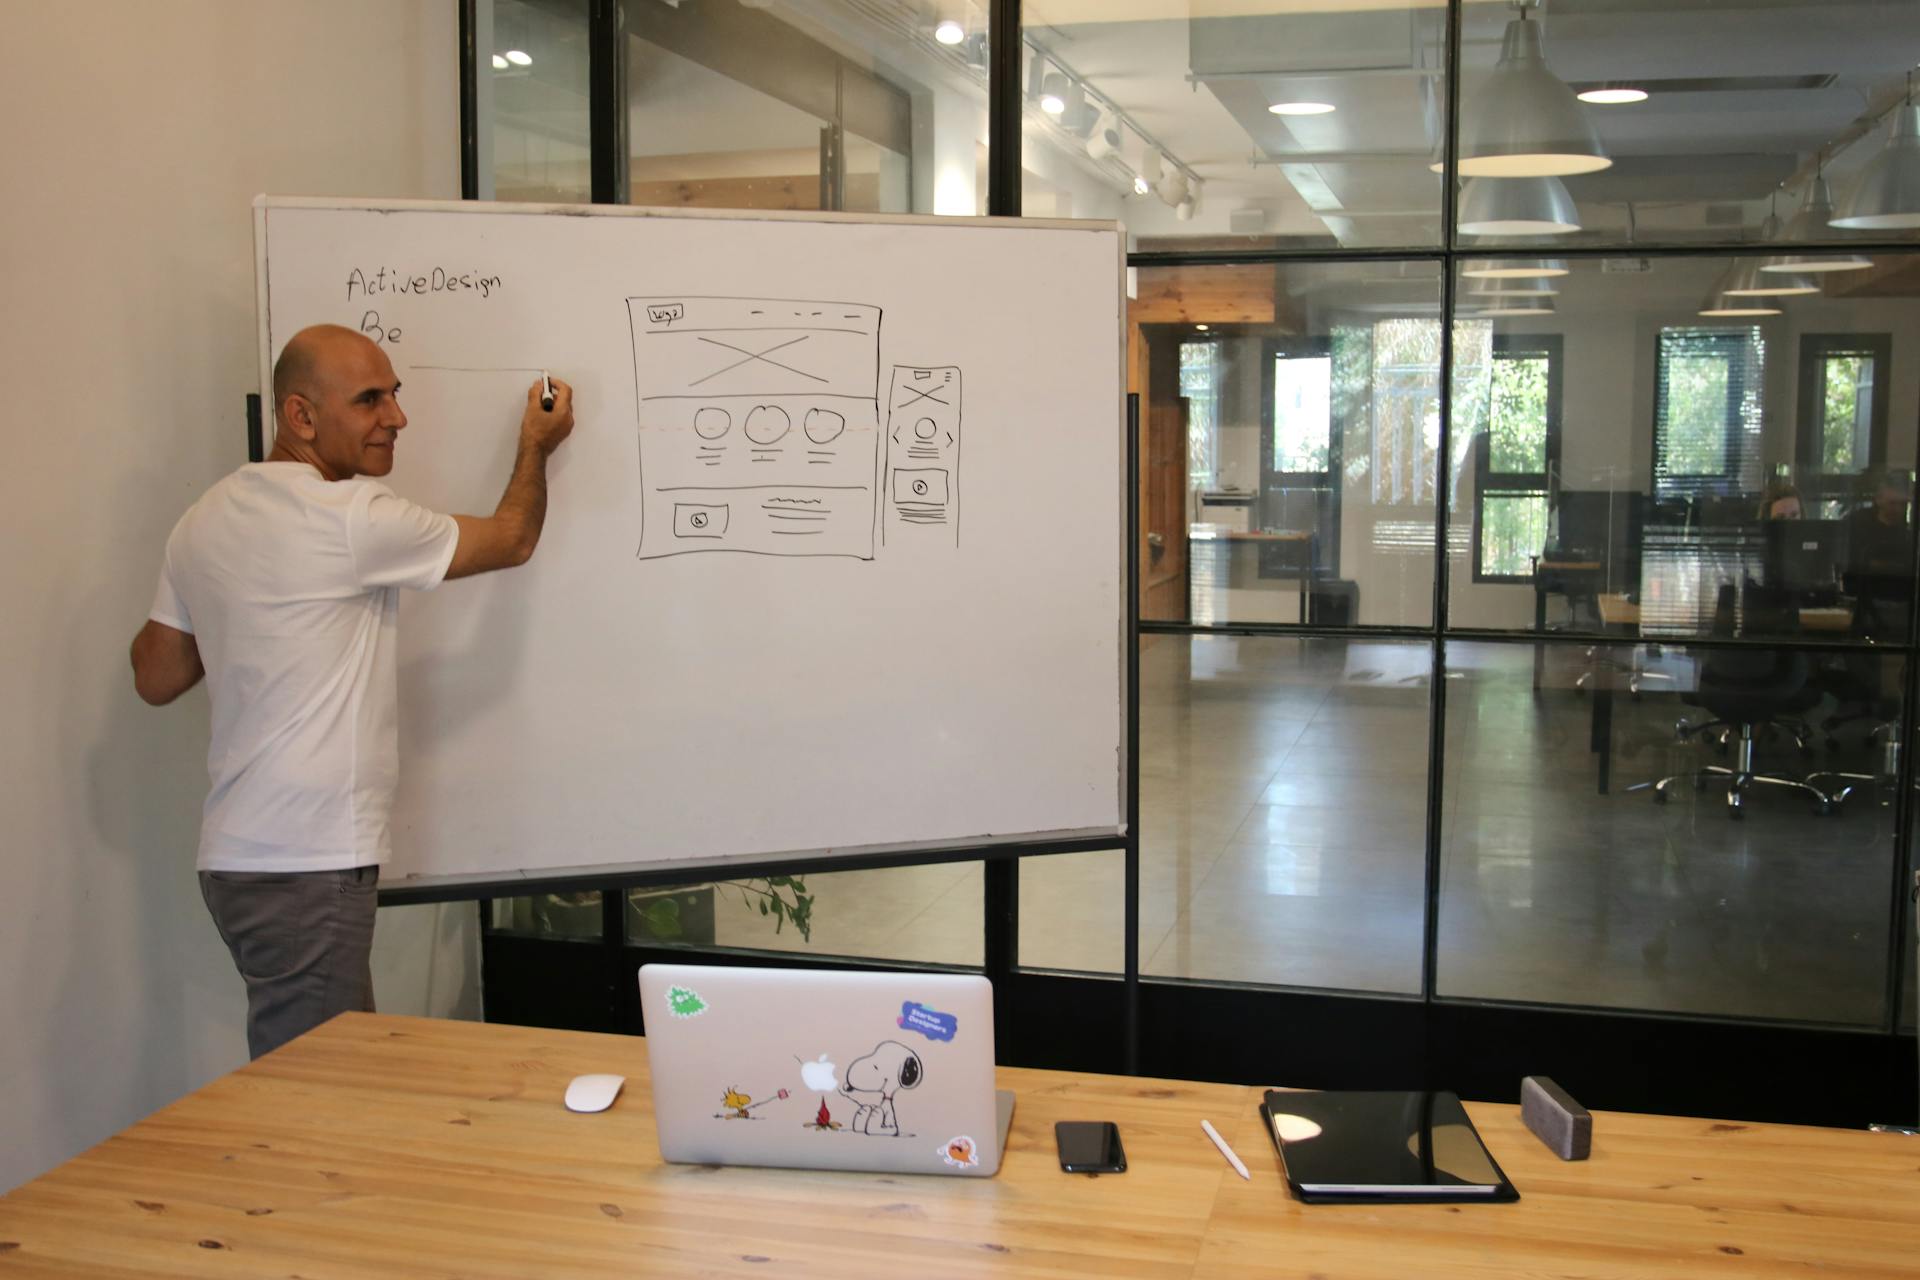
824, 1069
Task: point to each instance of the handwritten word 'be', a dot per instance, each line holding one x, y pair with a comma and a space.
371, 326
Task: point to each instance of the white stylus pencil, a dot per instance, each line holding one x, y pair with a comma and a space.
1226, 1150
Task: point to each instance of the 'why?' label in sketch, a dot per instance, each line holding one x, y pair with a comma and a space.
922, 489
759, 425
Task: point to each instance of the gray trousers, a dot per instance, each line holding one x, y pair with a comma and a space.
303, 942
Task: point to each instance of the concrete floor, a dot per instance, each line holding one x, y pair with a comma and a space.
1283, 816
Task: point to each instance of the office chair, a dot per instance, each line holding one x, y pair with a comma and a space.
1747, 692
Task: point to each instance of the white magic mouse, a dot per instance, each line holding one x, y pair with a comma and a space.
593, 1093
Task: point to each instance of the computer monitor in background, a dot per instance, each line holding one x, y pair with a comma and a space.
1805, 555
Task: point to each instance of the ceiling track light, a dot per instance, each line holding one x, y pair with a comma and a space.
1076, 107
1886, 197
1524, 121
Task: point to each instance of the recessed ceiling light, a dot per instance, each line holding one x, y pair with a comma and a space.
1301, 108
499, 63
1140, 186
1613, 96
519, 58
1201, 327
949, 32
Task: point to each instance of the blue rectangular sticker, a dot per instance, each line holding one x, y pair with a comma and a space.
930, 1023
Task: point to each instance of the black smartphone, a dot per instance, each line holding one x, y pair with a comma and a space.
1089, 1146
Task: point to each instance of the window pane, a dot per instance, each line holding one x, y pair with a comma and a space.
532, 100
549, 915
1845, 412
1263, 123
1708, 131
830, 104
1517, 420
1566, 880
928, 914
1282, 820
1302, 413
1513, 528
1289, 436
1717, 466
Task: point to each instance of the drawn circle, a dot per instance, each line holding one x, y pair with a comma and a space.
924, 429
920, 488
824, 425
767, 423
712, 422
698, 519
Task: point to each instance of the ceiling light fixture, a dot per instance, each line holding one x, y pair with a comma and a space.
1514, 268
500, 63
1517, 207
1612, 95
1534, 288
1302, 108
1719, 304
1140, 186
1887, 195
950, 31
1748, 281
1105, 138
1201, 327
1520, 307
1185, 209
1173, 187
1053, 92
1525, 122
1808, 223
519, 57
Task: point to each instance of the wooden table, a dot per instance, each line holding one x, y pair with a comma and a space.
382, 1146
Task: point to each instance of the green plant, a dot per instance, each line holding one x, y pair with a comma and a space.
785, 898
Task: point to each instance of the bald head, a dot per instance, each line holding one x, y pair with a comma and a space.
311, 358
334, 402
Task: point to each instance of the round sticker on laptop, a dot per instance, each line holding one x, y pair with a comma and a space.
683, 1002
961, 1153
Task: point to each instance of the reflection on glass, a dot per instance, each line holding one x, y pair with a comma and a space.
1610, 124
532, 98
1629, 466
817, 104
1291, 421
1265, 123
1566, 878
1282, 820
574, 915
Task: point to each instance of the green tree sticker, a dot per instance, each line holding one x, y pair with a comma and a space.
682, 1003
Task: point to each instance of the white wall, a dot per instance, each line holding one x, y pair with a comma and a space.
137, 134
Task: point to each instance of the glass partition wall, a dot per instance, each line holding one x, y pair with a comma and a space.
1528, 406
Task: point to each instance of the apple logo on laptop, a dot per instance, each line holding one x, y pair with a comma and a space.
820, 1076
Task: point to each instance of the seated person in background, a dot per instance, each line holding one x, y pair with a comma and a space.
1880, 558
1782, 502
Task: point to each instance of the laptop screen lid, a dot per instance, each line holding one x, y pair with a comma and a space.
824, 1069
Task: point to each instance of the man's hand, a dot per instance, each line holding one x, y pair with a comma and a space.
544, 429
508, 536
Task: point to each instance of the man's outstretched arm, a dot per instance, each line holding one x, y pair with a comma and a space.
508, 536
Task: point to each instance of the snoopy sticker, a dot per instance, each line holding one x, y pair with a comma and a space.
872, 1082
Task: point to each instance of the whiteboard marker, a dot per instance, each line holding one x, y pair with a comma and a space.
546, 393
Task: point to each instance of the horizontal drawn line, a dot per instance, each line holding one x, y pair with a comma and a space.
681, 488
767, 395
766, 450
812, 502
748, 551
818, 462
807, 519
800, 533
460, 368
766, 328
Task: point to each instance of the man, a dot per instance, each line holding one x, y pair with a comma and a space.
1879, 570
280, 586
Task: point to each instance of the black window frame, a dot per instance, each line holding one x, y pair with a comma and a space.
1273, 481
1815, 350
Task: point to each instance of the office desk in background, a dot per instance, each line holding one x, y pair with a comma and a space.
381, 1146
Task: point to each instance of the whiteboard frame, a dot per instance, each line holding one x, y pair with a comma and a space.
451, 887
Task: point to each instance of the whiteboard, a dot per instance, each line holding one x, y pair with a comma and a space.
834, 560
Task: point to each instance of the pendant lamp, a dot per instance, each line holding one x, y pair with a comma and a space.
1887, 196
1513, 268
1524, 121
1517, 207
1810, 222
1720, 304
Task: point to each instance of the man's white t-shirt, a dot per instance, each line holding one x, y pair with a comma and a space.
289, 584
